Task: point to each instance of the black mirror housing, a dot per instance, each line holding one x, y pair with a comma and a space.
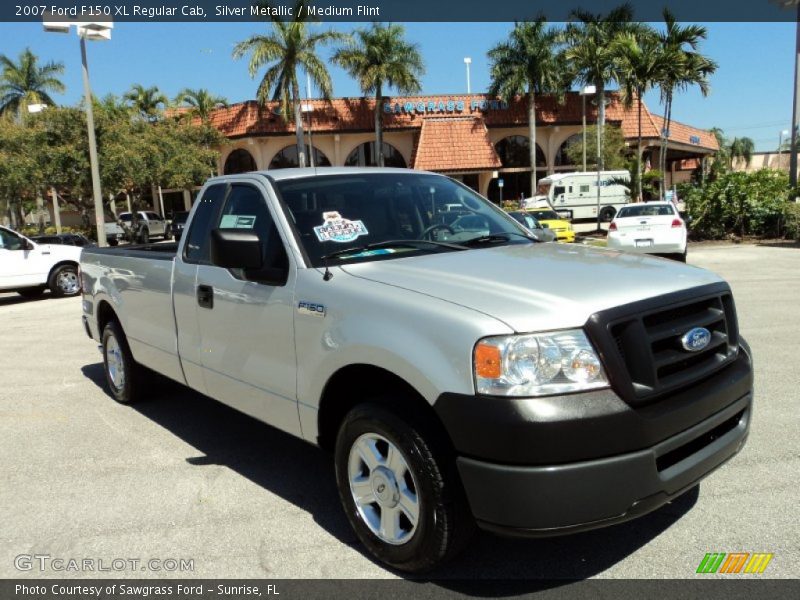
235, 249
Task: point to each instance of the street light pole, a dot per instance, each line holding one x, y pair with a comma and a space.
92, 31
99, 218
467, 62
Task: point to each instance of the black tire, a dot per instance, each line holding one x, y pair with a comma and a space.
681, 257
607, 214
31, 292
444, 523
64, 281
116, 352
113, 243
144, 236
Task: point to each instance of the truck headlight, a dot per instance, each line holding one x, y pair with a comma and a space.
537, 364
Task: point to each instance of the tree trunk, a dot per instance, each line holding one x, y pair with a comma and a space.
298, 124
379, 125
666, 138
532, 127
639, 151
662, 159
601, 122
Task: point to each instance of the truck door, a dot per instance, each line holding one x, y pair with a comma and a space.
246, 328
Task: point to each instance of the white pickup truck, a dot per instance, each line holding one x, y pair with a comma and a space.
29, 268
460, 372
146, 225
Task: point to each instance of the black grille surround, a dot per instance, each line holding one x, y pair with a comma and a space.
640, 346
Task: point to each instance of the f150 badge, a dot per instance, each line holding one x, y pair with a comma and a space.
696, 339
311, 308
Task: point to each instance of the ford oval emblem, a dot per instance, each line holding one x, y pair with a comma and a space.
696, 339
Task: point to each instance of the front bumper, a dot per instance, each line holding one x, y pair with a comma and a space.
565, 236
549, 466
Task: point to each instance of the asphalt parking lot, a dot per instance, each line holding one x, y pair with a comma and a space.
183, 477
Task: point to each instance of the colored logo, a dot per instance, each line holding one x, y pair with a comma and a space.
734, 562
338, 229
696, 339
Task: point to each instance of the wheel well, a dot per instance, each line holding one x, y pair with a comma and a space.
59, 265
105, 314
377, 385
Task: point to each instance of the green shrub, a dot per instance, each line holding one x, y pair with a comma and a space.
792, 222
739, 204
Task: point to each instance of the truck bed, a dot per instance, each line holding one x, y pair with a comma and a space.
136, 281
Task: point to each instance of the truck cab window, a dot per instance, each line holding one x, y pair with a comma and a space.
196, 250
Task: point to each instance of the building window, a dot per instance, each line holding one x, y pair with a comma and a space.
288, 158
514, 151
239, 161
366, 156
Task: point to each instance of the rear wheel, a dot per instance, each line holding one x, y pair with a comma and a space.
64, 281
681, 257
123, 374
401, 495
144, 236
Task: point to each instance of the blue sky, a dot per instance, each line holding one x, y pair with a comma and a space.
751, 92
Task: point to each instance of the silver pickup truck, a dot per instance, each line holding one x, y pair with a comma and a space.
460, 371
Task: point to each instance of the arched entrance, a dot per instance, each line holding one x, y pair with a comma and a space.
514, 153
289, 158
365, 155
239, 161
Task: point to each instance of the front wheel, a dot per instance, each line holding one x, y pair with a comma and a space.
64, 281
123, 374
402, 497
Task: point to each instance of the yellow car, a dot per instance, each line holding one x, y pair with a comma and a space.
551, 220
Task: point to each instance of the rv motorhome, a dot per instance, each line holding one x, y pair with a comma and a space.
574, 195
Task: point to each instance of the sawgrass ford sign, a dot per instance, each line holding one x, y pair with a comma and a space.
443, 106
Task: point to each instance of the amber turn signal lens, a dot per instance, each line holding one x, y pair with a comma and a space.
487, 361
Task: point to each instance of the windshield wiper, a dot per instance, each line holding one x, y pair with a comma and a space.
493, 238
386, 244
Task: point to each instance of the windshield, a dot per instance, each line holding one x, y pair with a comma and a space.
542, 189
646, 210
545, 215
334, 213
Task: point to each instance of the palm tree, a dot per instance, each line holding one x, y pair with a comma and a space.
288, 47
641, 67
527, 64
684, 67
591, 52
200, 102
379, 58
148, 102
26, 82
741, 149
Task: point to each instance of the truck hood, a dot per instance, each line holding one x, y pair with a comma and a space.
539, 286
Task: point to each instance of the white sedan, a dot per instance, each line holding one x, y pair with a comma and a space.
651, 228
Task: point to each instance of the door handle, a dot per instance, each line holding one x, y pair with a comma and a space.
205, 296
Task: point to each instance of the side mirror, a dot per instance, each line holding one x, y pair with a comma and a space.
235, 249
241, 249
545, 225
27, 245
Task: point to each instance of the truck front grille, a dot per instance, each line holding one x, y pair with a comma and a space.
645, 344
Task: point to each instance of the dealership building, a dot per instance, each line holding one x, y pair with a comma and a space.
476, 139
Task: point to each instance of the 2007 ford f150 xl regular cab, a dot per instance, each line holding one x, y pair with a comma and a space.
460, 371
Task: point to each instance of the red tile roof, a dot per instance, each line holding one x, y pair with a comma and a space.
356, 114
454, 144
